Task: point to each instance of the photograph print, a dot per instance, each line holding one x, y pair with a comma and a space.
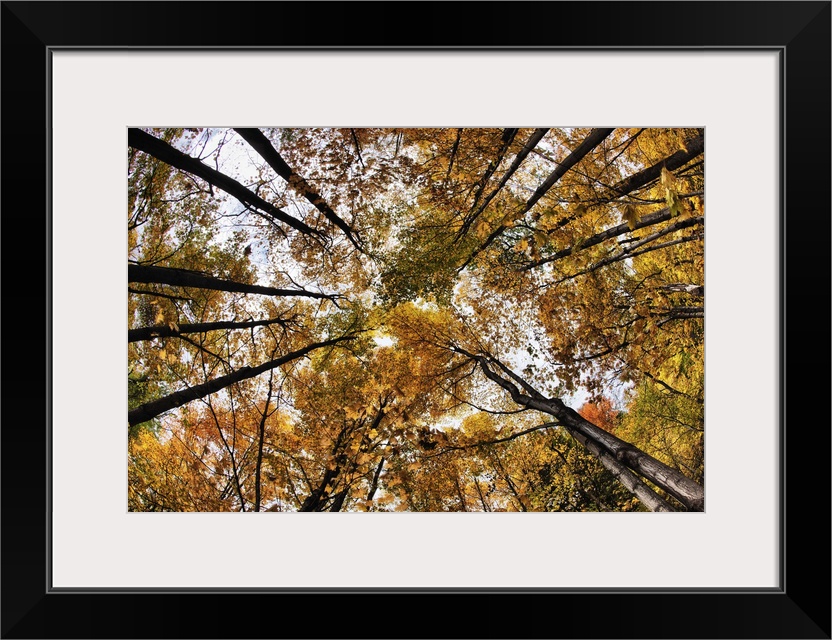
415, 319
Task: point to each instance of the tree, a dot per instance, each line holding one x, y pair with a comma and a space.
399, 319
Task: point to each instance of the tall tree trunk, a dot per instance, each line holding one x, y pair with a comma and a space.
167, 331
694, 148
662, 215
185, 278
261, 144
154, 408
689, 493
261, 437
508, 138
476, 210
161, 150
595, 137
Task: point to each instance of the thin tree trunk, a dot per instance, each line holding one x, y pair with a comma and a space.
662, 215
154, 408
508, 138
631, 252
453, 153
167, 331
261, 144
161, 150
317, 498
261, 436
459, 493
374, 486
476, 211
185, 278
357, 148
482, 497
595, 137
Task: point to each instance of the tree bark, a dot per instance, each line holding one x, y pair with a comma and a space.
261, 437
261, 144
631, 251
185, 278
595, 137
166, 331
681, 287
662, 215
150, 410
161, 150
689, 493
695, 147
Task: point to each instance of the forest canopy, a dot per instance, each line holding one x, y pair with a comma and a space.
444, 319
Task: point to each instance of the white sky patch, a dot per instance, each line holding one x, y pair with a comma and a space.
383, 341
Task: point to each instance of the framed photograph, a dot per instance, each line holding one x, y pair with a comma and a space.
276, 122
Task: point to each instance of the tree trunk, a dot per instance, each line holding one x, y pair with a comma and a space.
166, 331
161, 150
685, 490
595, 137
695, 147
689, 493
185, 278
476, 211
681, 287
150, 410
508, 138
261, 144
662, 215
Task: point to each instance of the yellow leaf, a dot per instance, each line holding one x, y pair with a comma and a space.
668, 179
631, 216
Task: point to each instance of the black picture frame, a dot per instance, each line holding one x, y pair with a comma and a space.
800, 608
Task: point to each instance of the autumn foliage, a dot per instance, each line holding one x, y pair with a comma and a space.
400, 319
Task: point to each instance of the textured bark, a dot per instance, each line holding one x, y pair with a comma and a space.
689, 493
150, 410
161, 150
185, 278
695, 147
166, 331
627, 478
605, 445
261, 144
